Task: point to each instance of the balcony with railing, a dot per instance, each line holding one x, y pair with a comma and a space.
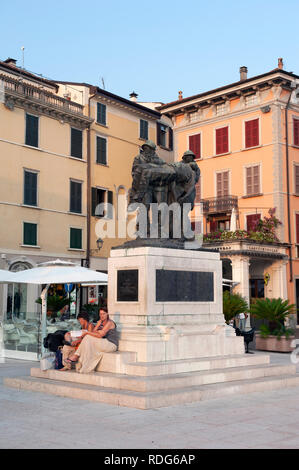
221, 204
19, 92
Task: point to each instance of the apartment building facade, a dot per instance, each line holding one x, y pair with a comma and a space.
43, 147
120, 126
245, 136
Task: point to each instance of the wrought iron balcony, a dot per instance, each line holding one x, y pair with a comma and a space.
221, 204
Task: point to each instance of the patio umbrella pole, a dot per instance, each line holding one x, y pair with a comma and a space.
44, 316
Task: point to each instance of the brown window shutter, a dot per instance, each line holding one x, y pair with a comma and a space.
225, 177
198, 191
256, 179
249, 182
219, 184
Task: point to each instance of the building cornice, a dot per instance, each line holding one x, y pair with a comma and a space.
231, 91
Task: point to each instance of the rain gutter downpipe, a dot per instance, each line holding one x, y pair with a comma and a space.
88, 219
293, 86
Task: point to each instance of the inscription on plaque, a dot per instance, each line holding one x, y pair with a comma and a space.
184, 286
127, 285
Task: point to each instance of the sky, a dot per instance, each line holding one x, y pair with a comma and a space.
154, 48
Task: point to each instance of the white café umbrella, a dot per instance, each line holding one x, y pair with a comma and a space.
57, 272
6, 276
233, 220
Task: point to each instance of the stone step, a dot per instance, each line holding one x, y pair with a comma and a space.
191, 365
164, 382
150, 400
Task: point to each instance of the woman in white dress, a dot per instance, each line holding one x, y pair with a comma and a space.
103, 339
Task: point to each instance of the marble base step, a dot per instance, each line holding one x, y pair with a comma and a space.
190, 365
165, 382
150, 400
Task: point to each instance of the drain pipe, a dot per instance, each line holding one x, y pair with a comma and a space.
293, 86
88, 200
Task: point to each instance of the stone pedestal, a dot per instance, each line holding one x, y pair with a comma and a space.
167, 304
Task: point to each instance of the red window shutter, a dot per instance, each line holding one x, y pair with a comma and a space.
252, 133
296, 131
221, 140
252, 221
213, 226
297, 228
194, 145
297, 179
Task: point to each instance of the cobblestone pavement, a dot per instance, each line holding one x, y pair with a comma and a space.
31, 420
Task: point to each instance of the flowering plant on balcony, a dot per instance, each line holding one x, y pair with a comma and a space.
263, 230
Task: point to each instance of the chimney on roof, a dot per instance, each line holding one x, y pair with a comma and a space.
280, 63
180, 95
133, 96
243, 73
10, 61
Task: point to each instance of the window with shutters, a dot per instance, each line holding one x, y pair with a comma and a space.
76, 142
296, 132
198, 191
252, 133
101, 203
31, 135
195, 145
76, 197
101, 114
29, 234
222, 140
252, 221
30, 188
143, 129
296, 179
253, 186
297, 235
101, 150
222, 184
161, 135
76, 238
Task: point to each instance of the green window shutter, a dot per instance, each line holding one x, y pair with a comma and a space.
170, 138
101, 150
76, 143
110, 207
101, 113
76, 238
143, 129
30, 188
76, 197
31, 137
30, 234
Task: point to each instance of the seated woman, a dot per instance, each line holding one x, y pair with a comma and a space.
71, 346
103, 339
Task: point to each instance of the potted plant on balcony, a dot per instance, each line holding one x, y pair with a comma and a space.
273, 335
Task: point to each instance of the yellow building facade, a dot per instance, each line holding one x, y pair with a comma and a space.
43, 148
246, 139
